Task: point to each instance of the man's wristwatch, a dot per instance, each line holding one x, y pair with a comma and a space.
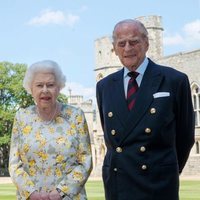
61, 193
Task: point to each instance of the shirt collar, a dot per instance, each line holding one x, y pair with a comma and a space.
141, 69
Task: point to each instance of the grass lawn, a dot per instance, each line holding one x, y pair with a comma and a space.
189, 190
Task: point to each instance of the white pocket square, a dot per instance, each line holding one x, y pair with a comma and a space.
161, 94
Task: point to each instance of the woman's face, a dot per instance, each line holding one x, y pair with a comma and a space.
45, 89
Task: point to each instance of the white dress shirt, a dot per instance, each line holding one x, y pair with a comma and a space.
141, 69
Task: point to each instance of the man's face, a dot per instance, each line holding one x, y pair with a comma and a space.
130, 45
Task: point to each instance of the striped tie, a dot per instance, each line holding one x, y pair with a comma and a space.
132, 89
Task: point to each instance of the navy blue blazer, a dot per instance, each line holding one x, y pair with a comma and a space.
147, 147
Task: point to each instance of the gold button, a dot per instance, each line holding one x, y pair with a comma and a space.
147, 130
118, 149
152, 110
144, 167
110, 114
115, 169
142, 149
113, 132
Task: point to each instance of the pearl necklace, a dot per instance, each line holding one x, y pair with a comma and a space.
51, 119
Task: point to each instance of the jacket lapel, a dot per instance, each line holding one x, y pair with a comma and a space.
150, 84
118, 97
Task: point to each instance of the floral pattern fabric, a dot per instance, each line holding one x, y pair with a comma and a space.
48, 156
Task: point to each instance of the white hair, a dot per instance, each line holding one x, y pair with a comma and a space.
135, 22
40, 67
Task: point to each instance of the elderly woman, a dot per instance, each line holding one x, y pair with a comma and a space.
50, 154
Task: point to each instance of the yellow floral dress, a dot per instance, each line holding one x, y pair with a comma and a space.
48, 156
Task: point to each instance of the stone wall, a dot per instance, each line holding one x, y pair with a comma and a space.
187, 62
192, 167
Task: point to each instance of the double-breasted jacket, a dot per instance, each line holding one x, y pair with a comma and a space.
148, 146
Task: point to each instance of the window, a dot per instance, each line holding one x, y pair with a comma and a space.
196, 103
197, 147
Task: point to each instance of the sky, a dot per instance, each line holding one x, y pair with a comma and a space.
65, 31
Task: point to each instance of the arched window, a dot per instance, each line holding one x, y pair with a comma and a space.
196, 103
197, 147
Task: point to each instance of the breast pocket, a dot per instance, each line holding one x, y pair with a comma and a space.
164, 108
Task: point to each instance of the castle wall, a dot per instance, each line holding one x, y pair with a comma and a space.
187, 62
192, 167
